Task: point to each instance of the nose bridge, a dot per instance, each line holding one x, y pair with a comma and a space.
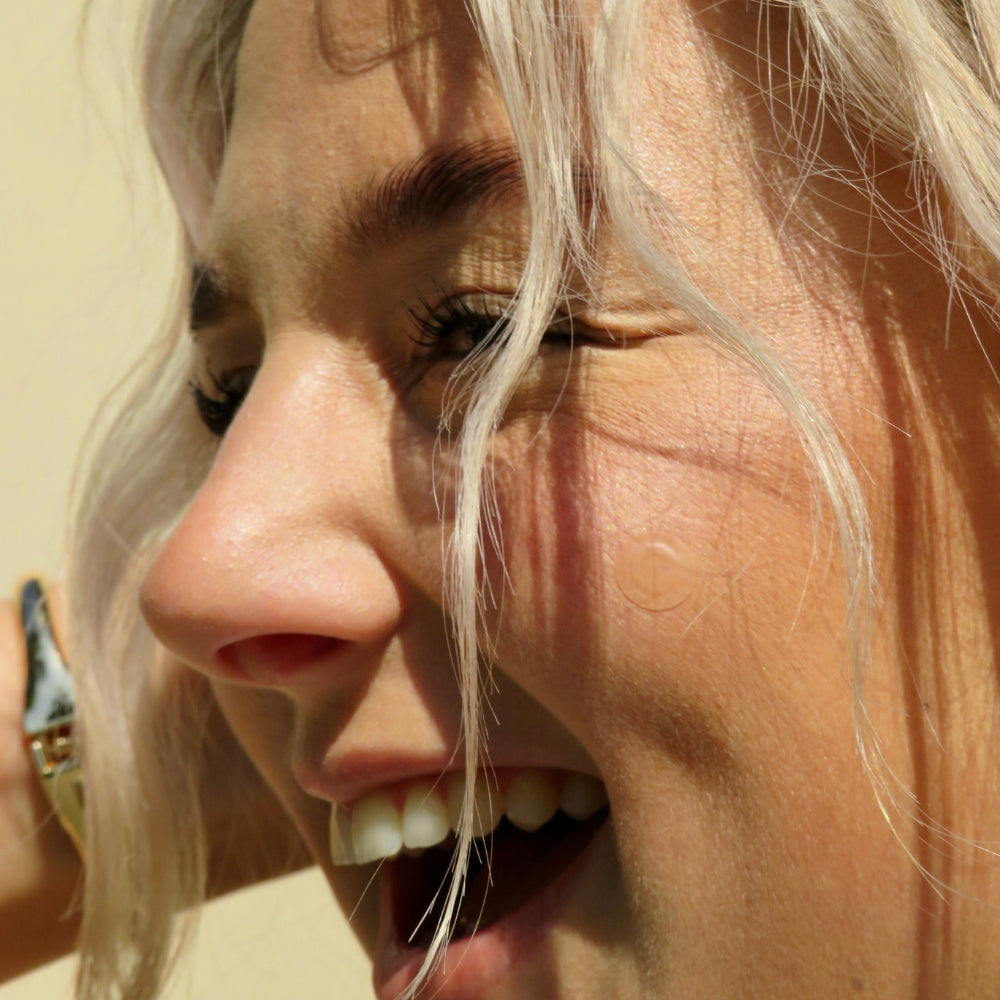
287, 536
312, 436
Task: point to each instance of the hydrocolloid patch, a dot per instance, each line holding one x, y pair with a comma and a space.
655, 571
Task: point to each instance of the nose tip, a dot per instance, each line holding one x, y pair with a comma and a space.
277, 566
277, 660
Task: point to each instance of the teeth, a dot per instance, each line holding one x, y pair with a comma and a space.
375, 828
456, 796
425, 818
487, 804
582, 796
532, 800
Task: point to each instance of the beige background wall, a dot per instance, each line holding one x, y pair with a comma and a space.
84, 265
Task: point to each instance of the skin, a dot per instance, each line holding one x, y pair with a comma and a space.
748, 855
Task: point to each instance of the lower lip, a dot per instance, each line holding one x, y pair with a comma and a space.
471, 966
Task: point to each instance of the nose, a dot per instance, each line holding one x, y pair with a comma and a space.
281, 563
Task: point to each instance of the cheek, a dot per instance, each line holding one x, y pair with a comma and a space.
661, 515
672, 593
724, 720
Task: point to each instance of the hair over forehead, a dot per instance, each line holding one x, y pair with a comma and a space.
189, 84
191, 61
354, 37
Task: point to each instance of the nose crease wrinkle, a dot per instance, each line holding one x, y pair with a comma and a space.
354, 39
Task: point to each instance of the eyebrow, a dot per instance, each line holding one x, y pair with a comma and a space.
441, 186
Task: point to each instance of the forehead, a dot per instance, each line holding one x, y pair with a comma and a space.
331, 94
348, 37
355, 36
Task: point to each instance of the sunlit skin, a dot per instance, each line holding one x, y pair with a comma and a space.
747, 855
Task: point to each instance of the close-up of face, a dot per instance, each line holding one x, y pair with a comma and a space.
671, 713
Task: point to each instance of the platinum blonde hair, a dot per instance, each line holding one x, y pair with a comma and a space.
920, 75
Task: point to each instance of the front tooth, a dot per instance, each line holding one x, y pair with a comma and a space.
487, 807
425, 817
375, 829
341, 841
582, 796
532, 800
456, 796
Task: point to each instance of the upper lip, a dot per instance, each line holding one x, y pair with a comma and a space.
346, 778
344, 764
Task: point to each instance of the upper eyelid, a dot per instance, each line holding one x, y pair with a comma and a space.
482, 296
499, 305
494, 306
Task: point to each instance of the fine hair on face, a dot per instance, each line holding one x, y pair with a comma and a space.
916, 77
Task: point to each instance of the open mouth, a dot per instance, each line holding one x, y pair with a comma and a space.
506, 870
528, 827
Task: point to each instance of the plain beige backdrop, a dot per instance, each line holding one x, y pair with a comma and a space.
85, 264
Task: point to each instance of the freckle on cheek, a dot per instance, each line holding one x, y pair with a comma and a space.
655, 571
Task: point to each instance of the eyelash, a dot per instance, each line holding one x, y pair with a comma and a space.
437, 328
218, 411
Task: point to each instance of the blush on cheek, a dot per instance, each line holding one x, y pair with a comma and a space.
655, 572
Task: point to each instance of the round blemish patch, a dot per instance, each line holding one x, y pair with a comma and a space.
654, 571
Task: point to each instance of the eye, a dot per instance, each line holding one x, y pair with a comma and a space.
217, 406
461, 325
457, 326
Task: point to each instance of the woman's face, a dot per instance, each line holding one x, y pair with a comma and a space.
671, 618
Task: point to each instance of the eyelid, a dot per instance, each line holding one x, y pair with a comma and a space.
440, 321
592, 323
500, 305
471, 300
575, 320
631, 323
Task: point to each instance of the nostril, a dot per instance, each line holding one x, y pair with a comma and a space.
271, 659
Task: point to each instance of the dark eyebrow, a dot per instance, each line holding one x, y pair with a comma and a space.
439, 186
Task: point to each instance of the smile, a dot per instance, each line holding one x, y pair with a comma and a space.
531, 827
424, 814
